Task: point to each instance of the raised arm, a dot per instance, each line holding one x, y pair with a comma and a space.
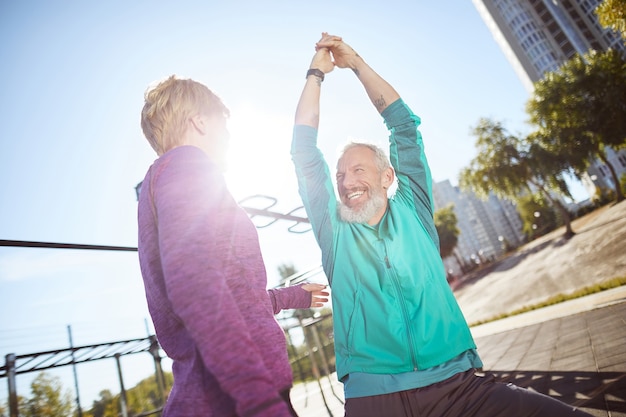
308, 110
380, 92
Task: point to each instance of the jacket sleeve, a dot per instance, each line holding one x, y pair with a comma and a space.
289, 297
186, 194
406, 152
316, 187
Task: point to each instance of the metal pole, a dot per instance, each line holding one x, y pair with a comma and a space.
123, 400
80, 411
53, 245
320, 348
314, 367
10, 364
158, 370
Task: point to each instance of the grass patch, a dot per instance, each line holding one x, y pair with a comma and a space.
559, 298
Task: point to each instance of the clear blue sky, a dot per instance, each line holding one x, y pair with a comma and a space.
73, 76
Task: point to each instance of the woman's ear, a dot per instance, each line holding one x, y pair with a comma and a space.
199, 123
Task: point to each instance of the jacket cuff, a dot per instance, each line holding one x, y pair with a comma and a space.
398, 113
289, 298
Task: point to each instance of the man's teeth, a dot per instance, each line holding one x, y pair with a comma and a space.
355, 195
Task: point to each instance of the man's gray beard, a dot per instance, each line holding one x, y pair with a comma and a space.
365, 213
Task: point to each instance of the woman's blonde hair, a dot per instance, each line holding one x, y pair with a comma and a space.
168, 107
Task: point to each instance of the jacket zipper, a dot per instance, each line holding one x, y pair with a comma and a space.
394, 279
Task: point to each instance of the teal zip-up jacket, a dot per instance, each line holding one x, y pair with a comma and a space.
393, 310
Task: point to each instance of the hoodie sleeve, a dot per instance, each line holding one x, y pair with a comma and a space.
289, 297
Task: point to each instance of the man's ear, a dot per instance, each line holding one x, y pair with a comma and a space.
199, 123
388, 176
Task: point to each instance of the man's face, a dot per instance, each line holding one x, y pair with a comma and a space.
362, 187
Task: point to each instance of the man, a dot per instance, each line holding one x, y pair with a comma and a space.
202, 268
402, 345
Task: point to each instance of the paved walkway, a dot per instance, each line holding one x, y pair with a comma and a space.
575, 352
579, 359
323, 399
549, 266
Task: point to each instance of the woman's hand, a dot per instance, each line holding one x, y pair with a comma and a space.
318, 295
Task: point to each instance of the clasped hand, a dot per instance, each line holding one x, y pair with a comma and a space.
332, 51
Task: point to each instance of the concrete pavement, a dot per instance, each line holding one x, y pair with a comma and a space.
564, 309
548, 266
318, 399
578, 358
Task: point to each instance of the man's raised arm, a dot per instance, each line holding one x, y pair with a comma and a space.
308, 110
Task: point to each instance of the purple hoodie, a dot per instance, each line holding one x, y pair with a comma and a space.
205, 284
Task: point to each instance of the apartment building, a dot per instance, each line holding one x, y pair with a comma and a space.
486, 226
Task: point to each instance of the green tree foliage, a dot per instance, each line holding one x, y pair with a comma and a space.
580, 109
446, 224
537, 216
21, 405
106, 406
511, 167
146, 396
48, 399
612, 14
142, 398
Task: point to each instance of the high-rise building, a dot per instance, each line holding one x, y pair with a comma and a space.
487, 227
537, 36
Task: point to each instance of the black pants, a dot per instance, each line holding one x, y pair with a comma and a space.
465, 394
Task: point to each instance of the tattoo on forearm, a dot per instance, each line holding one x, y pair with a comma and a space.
380, 103
318, 80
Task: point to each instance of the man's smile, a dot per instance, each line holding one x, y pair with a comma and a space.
355, 194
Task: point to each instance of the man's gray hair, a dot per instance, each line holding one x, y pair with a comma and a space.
382, 161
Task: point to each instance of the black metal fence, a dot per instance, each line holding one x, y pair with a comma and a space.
72, 356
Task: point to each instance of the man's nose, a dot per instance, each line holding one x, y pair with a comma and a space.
347, 181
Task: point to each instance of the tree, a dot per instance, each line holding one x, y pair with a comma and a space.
511, 167
104, 407
446, 224
48, 398
537, 216
580, 109
612, 14
143, 399
145, 396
